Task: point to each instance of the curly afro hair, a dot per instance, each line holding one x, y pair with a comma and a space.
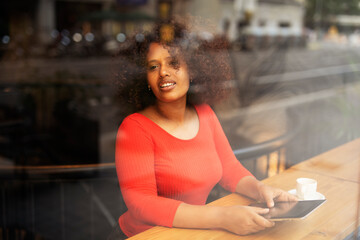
208, 65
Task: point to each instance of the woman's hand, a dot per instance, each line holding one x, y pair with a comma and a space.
270, 194
243, 220
251, 187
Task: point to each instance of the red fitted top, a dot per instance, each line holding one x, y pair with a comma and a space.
158, 171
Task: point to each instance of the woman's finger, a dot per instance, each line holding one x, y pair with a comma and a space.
263, 222
259, 210
285, 196
269, 199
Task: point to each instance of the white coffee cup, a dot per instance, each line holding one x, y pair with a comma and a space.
306, 188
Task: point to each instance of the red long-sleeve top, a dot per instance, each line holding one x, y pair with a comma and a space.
158, 171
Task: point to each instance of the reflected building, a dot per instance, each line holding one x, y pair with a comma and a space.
262, 19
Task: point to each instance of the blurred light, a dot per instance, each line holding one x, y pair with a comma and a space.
54, 33
167, 33
5, 39
164, 8
139, 37
77, 37
111, 46
65, 33
207, 36
121, 37
65, 41
89, 37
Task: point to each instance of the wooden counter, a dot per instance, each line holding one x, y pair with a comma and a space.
341, 162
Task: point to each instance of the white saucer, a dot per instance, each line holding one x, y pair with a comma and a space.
317, 195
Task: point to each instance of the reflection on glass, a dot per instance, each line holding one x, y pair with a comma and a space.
295, 93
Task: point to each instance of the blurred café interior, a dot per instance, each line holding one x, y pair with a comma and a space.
295, 94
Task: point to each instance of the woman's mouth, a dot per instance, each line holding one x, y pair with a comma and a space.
167, 85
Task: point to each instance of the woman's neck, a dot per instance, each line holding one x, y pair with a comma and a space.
177, 119
175, 111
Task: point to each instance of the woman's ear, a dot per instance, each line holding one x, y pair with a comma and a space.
192, 75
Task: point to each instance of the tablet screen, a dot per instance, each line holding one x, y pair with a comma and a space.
290, 210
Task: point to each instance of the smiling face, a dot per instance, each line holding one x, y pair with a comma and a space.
167, 75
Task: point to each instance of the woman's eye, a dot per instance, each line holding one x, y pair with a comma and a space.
152, 67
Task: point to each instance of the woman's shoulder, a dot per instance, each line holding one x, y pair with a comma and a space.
204, 109
133, 120
134, 126
206, 114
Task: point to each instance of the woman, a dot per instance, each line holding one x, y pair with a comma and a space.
172, 150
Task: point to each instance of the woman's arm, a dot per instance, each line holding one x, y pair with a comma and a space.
249, 186
135, 169
241, 220
232, 170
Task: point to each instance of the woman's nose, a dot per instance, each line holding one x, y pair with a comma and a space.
164, 72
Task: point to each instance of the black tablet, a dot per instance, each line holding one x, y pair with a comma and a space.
290, 210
